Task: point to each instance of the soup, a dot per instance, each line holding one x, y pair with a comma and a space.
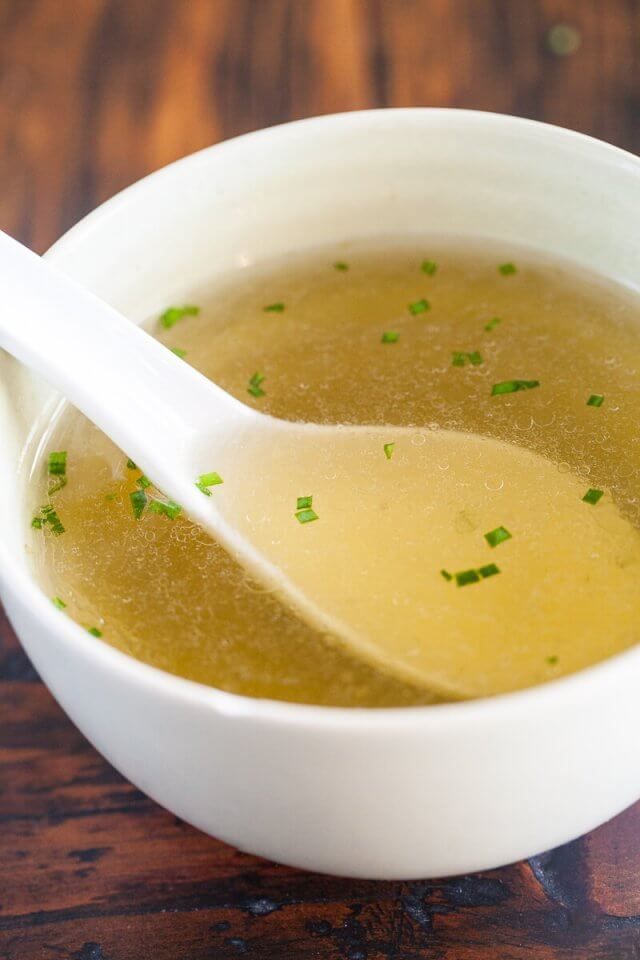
493, 548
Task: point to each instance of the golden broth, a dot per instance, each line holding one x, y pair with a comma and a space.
564, 594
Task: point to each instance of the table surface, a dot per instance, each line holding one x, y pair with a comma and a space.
93, 95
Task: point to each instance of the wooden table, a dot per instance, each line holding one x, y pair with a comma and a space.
94, 94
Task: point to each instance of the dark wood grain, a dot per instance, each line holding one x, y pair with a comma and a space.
93, 95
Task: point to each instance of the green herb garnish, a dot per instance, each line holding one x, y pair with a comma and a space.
57, 464
94, 631
171, 315
57, 468
56, 526
595, 400
179, 352
592, 496
57, 602
55, 485
50, 517
388, 450
255, 385
497, 536
143, 482
419, 306
36, 523
274, 308
306, 516
513, 386
460, 359
131, 465
341, 266
167, 508
304, 510
429, 267
551, 661
466, 577
206, 480
139, 501
506, 269
492, 323
390, 336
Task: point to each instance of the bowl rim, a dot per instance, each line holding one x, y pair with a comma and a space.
453, 715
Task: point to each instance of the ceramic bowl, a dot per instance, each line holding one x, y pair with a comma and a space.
385, 793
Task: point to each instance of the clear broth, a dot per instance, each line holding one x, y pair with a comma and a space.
565, 597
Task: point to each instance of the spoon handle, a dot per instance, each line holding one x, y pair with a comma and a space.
146, 399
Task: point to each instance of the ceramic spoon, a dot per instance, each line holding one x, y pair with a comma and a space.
367, 570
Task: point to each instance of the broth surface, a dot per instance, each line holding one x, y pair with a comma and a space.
565, 591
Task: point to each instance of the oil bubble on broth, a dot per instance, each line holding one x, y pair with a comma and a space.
502, 551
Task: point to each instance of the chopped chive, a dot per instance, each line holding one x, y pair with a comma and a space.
58, 463
497, 536
390, 336
211, 479
94, 631
492, 323
306, 516
419, 306
459, 359
206, 480
506, 269
171, 315
592, 496
388, 450
179, 352
513, 386
131, 465
138, 502
551, 661
55, 485
57, 602
429, 267
466, 577
50, 517
36, 523
143, 482
274, 308
304, 503
169, 508
341, 266
110, 497
595, 400
255, 384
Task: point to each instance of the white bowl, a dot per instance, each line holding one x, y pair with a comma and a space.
401, 793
